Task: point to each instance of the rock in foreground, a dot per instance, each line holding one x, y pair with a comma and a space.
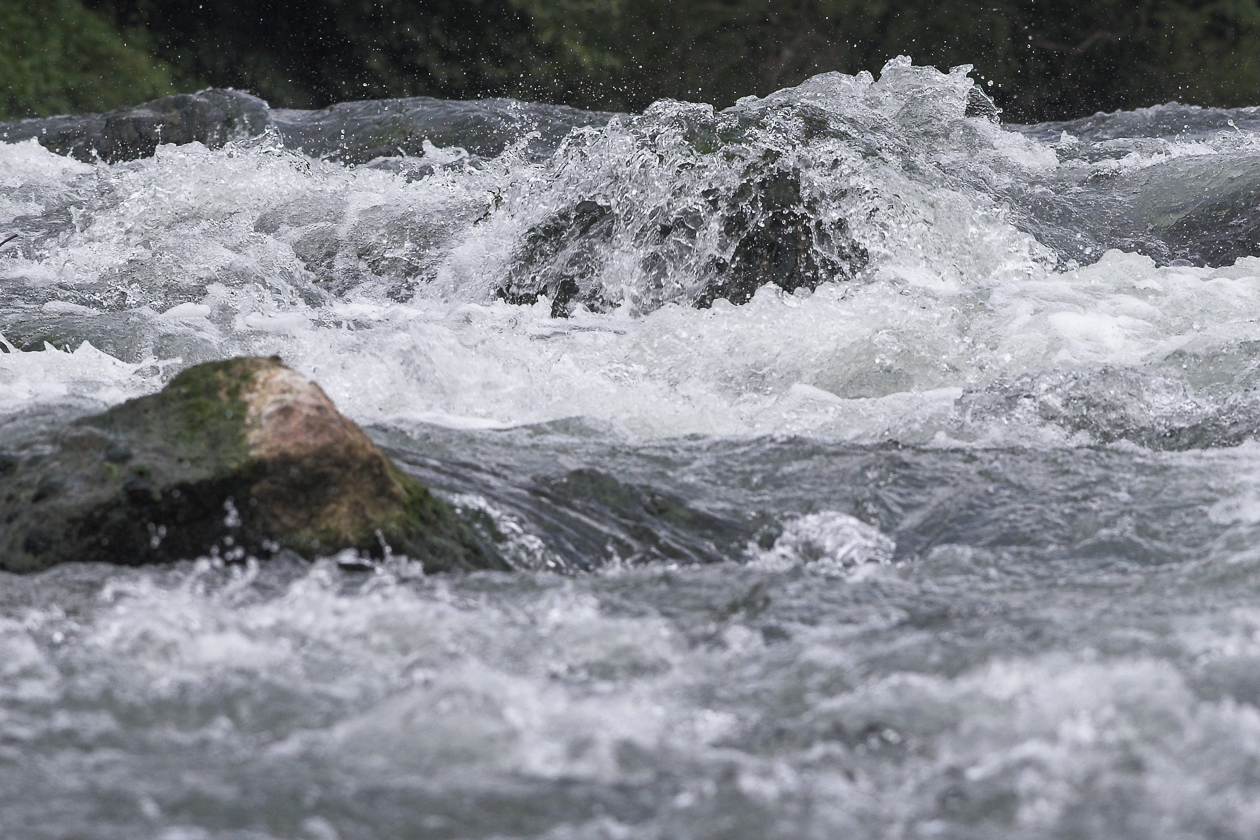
234, 458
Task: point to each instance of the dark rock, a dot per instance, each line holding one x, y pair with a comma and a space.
212, 117
358, 132
351, 132
713, 237
780, 238
237, 458
558, 259
638, 523
773, 232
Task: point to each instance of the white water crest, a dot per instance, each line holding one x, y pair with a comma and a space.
913, 287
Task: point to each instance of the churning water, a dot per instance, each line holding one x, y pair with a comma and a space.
871, 469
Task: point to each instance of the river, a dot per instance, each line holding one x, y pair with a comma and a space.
870, 469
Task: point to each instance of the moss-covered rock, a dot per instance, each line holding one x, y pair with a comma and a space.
235, 458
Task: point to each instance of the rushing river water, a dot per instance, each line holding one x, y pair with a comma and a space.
872, 469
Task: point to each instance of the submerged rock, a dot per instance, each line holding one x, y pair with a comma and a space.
359, 132
350, 132
715, 205
235, 458
211, 117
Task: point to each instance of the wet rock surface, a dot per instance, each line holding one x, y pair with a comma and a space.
236, 459
359, 132
211, 117
747, 214
350, 132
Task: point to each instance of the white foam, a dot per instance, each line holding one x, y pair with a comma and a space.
828, 543
254, 249
459, 687
52, 376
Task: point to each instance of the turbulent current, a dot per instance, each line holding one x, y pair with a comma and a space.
870, 469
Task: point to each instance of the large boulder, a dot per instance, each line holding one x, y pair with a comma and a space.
237, 458
754, 195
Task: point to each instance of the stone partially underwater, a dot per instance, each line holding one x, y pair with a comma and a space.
237, 458
349, 132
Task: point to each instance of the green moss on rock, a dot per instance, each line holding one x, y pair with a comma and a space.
235, 458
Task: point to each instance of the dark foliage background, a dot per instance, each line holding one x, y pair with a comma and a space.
1046, 59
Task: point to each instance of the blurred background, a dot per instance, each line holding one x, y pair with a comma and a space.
1039, 59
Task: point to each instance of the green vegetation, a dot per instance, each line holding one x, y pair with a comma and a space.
57, 57
1046, 60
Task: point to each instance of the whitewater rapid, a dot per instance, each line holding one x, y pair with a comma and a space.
383, 288
870, 468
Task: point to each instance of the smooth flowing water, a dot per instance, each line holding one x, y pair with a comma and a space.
871, 469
